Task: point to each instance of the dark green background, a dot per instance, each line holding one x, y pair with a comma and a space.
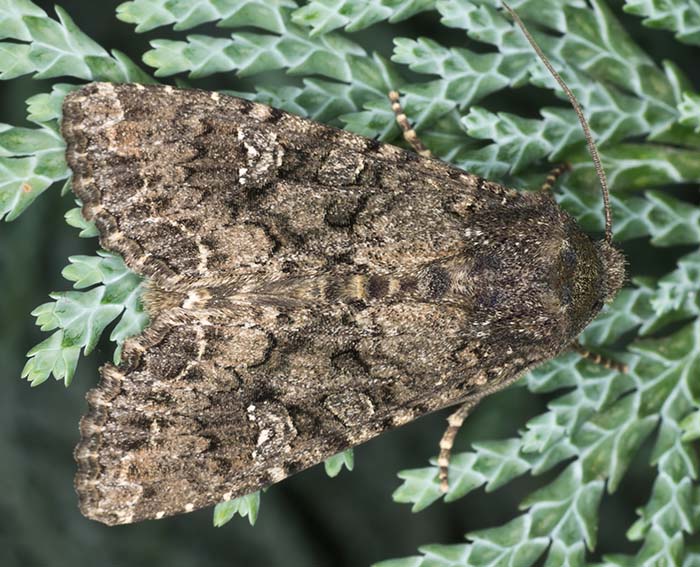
308, 520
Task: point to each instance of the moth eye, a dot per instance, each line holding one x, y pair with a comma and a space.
569, 258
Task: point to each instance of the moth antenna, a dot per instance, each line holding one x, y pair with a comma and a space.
582, 119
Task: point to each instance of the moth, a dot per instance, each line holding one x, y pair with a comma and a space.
307, 288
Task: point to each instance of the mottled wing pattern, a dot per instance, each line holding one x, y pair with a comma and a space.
213, 410
208, 184
308, 289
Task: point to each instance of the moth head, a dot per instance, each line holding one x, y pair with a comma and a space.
590, 275
613, 261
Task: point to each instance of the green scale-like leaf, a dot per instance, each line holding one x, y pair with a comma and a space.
150, 14
56, 48
689, 111
82, 316
335, 464
680, 16
31, 160
247, 505
324, 16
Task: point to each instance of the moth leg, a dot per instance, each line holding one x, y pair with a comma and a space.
409, 134
455, 421
598, 359
555, 174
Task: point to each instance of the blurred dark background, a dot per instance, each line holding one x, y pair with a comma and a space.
307, 520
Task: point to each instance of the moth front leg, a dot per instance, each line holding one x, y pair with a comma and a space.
409, 134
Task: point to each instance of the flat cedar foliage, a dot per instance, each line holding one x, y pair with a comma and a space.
311, 59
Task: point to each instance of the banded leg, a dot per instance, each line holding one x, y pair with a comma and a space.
409, 134
598, 359
555, 174
454, 421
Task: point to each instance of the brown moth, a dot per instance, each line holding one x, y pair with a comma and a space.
307, 288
